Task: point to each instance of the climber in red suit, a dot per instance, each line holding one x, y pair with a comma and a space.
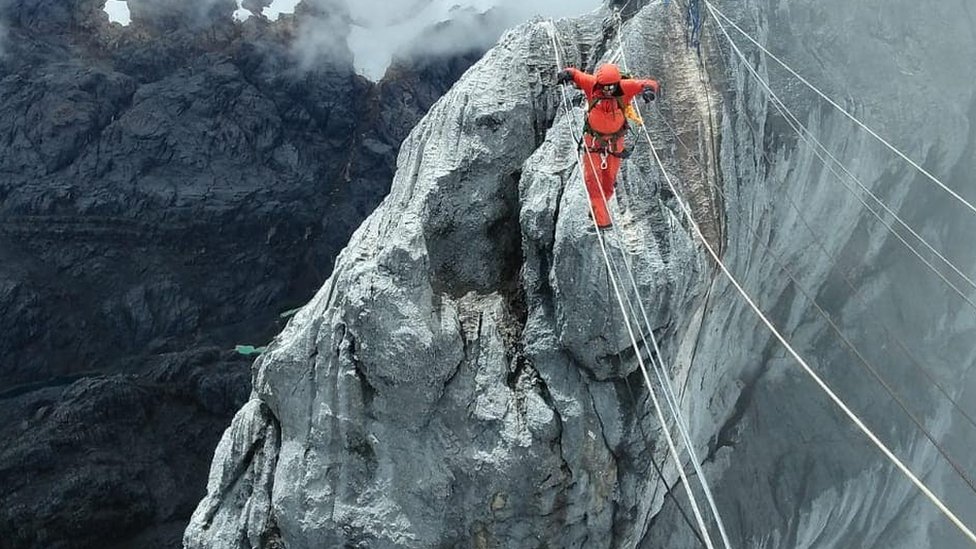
608, 97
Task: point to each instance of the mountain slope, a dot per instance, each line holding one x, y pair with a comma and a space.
166, 191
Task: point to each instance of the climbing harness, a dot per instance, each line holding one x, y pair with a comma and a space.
662, 377
607, 139
604, 147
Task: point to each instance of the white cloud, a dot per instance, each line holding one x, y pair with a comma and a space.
384, 28
118, 11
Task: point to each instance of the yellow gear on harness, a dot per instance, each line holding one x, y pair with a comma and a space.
631, 113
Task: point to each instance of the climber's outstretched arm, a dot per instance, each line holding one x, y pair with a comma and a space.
579, 78
632, 87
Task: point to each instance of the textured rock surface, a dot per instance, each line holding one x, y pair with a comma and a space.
459, 380
114, 460
177, 182
790, 471
166, 190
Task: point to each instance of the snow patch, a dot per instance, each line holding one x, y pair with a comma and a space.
118, 12
279, 7
241, 13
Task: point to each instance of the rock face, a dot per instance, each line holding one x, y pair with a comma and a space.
788, 468
463, 378
167, 189
460, 380
114, 461
193, 179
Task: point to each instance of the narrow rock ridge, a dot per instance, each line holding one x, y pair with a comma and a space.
464, 378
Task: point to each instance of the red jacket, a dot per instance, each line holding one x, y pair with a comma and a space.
606, 117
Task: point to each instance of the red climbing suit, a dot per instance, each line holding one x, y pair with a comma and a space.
606, 92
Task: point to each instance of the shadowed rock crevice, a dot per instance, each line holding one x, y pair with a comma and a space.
478, 249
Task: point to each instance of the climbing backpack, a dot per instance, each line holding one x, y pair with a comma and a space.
629, 111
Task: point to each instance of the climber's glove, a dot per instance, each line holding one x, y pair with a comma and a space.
565, 76
649, 94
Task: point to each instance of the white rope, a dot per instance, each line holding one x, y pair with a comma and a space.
807, 136
831, 257
854, 119
806, 367
633, 340
663, 378
781, 263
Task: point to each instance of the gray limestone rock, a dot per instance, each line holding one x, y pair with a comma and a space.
788, 468
465, 379
460, 380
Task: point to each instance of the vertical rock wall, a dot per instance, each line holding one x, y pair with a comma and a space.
463, 379
789, 469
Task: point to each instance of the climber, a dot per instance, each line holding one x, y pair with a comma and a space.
608, 98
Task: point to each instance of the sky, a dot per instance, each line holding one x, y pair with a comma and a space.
383, 27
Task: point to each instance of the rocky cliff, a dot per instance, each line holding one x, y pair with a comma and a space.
167, 189
211, 164
464, 380
787, 465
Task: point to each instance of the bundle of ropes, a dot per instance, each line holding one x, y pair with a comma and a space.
623, 283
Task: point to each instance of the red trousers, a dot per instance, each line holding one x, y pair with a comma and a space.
600, 173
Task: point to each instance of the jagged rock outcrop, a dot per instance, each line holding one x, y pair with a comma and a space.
459, 381
114, 461
167, 189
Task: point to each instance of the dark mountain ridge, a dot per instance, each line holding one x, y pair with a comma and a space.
167, 190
